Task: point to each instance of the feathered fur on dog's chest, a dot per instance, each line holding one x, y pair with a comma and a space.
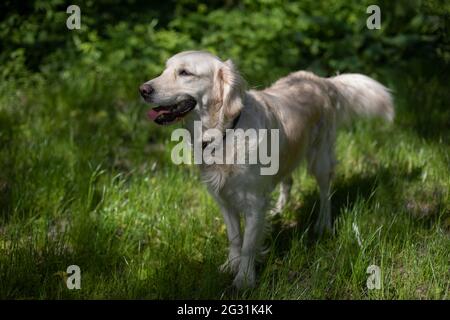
216, 175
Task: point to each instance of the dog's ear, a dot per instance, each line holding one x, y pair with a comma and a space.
230, 87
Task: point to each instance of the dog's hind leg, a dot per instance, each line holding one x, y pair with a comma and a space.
283, 198
324, 220
321, 163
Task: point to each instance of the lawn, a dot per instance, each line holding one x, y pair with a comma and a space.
86, 180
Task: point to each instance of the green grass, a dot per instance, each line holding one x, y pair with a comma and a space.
86, 180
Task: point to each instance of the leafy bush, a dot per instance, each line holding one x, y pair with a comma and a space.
267, 38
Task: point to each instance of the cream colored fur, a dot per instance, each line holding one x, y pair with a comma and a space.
307, 110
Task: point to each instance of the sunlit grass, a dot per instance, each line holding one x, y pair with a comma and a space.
86, 180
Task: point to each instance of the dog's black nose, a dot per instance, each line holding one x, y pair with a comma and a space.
146, 90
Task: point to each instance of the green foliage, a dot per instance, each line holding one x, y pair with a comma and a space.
275, 35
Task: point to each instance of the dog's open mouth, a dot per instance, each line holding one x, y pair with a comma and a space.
169, 114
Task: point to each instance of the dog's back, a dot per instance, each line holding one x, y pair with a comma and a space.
303, 101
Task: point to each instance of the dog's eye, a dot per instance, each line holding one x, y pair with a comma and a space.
184, 73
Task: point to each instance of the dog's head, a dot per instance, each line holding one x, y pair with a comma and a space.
195, 82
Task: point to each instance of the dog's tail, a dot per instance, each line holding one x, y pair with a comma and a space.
360, 95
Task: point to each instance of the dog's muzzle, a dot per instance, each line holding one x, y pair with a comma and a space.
164, 115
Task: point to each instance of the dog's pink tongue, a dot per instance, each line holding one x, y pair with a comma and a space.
153, 113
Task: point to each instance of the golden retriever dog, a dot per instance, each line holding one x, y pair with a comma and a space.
305, 109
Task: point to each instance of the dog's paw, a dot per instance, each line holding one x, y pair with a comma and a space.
230, 266
244, 281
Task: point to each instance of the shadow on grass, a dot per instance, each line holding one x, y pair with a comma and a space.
346, 192
421, 102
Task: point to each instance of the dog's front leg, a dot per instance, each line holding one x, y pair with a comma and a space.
232, 221
253, 237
